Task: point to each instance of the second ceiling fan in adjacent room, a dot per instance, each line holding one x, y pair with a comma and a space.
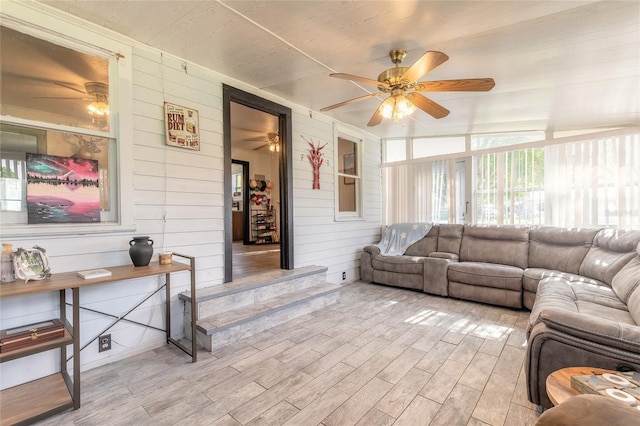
271, 139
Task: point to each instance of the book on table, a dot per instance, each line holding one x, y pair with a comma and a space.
94, 273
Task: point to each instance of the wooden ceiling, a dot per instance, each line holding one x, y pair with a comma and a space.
558, 65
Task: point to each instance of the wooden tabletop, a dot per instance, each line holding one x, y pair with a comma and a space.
559, 382
67, 280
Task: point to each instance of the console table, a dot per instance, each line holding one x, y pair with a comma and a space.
52, 394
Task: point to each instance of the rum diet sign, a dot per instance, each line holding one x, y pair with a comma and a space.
181, 126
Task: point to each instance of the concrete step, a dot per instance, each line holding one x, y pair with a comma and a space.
221, 329
229, 312
254, 289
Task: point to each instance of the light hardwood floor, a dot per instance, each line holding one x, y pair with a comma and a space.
380, 356
254, 258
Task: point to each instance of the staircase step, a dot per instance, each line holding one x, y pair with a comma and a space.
221, 329
254, 289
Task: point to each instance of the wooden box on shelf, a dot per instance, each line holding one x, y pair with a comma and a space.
29, 335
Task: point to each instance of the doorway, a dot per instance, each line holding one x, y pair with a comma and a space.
255, 184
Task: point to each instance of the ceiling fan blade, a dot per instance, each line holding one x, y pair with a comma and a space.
70, 87
468, 85
257, 139
330, 107
261, 146
359, 79
426, 63
63, 98
427, 105
376, 118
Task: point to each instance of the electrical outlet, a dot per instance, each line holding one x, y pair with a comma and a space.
104, 343
344, 276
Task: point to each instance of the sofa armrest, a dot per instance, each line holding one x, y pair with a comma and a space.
372, 250
444, 255
435, 275
594, 329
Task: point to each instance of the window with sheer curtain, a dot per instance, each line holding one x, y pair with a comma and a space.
418, 192
594, 182
509, 187
575, 181
591, 182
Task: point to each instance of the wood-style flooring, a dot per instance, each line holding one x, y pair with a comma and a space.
254, 258
380, 356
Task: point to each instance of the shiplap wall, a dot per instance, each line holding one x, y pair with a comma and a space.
319, 238
178, 198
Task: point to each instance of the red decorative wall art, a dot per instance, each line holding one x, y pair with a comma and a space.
316, 158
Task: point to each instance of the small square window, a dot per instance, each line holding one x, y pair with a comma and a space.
395, 150
348, 177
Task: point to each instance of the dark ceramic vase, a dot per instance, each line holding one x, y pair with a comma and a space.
141, 250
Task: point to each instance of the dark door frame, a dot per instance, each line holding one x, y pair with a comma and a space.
231, 94
245, 200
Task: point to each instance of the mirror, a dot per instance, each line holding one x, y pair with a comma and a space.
239, 201
236, 187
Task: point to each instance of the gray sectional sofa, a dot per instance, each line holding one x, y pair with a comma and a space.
581, 285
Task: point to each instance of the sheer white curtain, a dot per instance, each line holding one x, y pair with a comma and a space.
594, 182
508, 187
419, 192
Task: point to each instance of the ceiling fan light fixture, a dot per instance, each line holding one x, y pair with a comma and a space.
397, 107
98, 108
404, 106
274, 142
386, 109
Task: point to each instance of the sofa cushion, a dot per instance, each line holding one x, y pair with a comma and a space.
561, 249
595, 301
449, 238
612, 249
628, 279
506, 245
402, 264
532, 276
486, 275
425, 245
626, 284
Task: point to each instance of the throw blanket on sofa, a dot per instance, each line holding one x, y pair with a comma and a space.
398, 237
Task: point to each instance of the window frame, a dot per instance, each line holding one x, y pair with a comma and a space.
442, 140
385, 150
357, 138
72, 33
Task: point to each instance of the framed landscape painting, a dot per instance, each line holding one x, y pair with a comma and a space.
62, 190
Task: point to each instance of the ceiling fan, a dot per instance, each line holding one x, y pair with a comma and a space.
272, 140
403, 87
97, 93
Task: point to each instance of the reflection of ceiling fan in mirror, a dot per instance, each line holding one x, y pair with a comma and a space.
403, 87
271, 139
97, 93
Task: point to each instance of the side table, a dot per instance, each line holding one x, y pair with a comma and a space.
559, 382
